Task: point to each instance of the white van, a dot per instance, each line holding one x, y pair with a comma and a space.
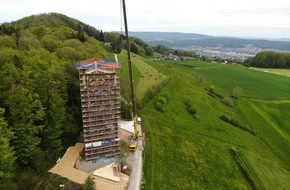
138, 120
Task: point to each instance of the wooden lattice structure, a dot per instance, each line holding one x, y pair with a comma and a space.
100, 99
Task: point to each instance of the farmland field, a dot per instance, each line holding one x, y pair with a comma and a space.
186, 152
283, 72
145, 76
149, 76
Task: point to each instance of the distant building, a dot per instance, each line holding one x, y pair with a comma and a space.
107, 44
100, 99
171, 56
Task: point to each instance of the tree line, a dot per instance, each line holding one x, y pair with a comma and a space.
118, 42
269, 59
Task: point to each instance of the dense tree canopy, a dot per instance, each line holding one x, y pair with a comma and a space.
39, 91
161, 49
118, 42
6, 155
270, 59
89, 184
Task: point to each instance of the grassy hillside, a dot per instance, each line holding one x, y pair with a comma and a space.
204, 152
149, 76
283, 72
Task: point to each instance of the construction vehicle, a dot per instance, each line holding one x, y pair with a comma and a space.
134, 138
139, 120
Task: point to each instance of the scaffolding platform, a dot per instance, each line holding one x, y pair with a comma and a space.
100, 99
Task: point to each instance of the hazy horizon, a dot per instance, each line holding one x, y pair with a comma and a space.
252, 19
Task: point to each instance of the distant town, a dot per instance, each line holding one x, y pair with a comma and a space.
239, 54
226, 48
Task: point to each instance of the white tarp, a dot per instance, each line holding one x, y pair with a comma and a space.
96, 144
88, 145
127, 125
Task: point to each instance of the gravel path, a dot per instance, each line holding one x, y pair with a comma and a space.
136, 173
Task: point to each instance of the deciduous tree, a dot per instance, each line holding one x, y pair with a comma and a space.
25, 112
237, 92
89, 184
7, 158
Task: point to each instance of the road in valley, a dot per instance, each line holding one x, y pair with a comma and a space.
137, 165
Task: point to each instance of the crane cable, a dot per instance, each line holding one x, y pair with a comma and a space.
121, 17
129, 62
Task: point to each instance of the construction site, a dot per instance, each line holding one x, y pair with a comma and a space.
100, 153
100, 100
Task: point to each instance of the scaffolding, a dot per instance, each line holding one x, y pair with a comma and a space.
100, 100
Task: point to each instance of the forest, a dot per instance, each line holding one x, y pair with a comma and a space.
269, 59
40, 113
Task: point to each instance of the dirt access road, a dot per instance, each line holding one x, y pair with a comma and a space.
137, 165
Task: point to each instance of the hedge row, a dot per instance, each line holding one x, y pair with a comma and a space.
243, 169
150, 93
212, 92
237, 124
191, 109
161, 104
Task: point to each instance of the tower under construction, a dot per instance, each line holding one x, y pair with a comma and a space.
100, 100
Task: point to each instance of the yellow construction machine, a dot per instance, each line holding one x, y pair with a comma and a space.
134, 137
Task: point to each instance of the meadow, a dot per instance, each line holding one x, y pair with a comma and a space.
145, 76
149, 78
283, 72
186, 152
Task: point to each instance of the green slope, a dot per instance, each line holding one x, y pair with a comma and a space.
150, 77
145, 76
183, 152
283, 72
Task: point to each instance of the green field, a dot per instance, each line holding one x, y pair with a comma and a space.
145, 76
185, 152
283, 72
149, 76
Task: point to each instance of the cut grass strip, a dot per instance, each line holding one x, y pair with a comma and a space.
283, 72
150, 77
275, 126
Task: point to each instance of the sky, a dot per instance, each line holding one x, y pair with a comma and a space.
234, 18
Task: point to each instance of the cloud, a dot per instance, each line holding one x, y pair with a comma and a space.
162, 15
